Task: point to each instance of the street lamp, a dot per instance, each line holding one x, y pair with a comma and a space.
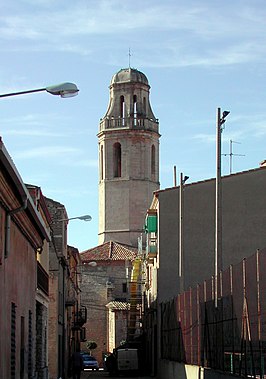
218, 203
83, 218
63, 90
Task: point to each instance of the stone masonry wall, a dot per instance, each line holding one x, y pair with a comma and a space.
100, 285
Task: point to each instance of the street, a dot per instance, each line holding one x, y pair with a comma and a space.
103, 374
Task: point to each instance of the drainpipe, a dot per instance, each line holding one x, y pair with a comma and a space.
8, 223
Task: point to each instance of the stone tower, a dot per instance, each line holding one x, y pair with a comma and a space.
128, 158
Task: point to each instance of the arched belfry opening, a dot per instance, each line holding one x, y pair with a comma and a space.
135, 109
129, 137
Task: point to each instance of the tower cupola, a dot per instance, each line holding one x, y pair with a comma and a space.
129, 104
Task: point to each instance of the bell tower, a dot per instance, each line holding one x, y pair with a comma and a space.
128, 141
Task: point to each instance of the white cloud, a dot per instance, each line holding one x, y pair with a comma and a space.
225, 37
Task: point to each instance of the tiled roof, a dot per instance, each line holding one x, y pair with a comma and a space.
109, 251
118, 305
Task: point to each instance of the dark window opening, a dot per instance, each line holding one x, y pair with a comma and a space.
13, 341
30, 344
144, 106
117, 160
153, 160
124, 287
122, 109
22, 346
135, 109
101, 163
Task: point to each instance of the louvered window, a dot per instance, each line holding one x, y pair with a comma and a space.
13, 341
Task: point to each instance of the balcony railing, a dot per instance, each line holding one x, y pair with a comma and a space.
129, 123
152, 250
42, 279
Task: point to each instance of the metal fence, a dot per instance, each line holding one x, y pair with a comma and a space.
230, 337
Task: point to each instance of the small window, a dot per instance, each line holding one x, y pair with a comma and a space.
135, 109
153, 160
101, 163
124, 287
144, 106
122, 109
117, 160
13, 340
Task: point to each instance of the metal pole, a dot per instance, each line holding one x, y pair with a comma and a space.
23, 92
181, 265
218, 226
174, 176
231, 156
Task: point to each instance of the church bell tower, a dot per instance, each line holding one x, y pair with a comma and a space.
128, 141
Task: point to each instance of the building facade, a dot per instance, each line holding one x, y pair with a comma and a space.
106, 271
57, 349
76, 312
128, 141
66, 314
42, 291
242, 233
23, 233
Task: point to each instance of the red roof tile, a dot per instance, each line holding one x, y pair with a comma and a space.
109, 251
118, 305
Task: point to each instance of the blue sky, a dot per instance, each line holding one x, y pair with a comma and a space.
197, 55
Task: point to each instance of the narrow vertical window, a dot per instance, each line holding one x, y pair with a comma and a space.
30, 345
135, 109
122, 109
101, 162
144, 106
122, 106
124, 287
22, 346
13, 341
153, 160
117, 160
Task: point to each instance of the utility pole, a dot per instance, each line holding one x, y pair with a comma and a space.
181, 248
218, 265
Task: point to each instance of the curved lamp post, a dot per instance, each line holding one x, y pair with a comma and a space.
83, 218
63, 90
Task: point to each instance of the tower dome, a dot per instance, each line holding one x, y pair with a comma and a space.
126, 75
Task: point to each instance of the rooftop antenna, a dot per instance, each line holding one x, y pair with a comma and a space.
231, 154
129, 55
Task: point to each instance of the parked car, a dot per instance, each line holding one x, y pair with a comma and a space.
89, 362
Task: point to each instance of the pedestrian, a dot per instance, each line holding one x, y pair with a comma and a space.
76, 364
111, 364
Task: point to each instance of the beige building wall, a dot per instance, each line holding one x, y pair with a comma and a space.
100, 285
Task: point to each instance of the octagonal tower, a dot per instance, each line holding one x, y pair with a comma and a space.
128, 158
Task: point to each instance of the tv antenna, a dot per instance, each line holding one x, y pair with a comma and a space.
231, 155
